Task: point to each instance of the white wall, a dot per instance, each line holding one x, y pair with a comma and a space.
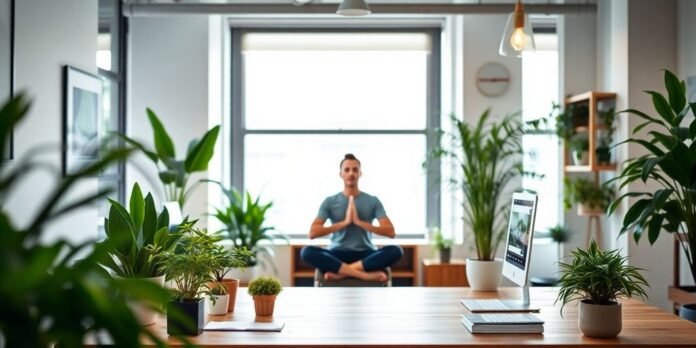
48, 35
169, 74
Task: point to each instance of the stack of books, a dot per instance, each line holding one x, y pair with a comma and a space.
503, 323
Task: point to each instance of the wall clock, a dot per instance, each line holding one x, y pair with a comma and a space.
493, 79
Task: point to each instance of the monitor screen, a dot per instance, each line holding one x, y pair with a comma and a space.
520, 232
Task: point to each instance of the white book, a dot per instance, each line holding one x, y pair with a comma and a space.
502, 323
243, 326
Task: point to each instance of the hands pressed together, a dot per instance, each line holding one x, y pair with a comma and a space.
352, 213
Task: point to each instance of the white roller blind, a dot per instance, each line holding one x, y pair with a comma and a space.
335, 42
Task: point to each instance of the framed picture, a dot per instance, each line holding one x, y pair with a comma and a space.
82, 108
6, 66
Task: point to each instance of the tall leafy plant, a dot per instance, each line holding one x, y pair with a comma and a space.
670, 163
47, 297
175, 173
244, 224
489, 156
135, 238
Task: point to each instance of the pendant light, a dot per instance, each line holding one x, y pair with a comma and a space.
518, 36
353, 8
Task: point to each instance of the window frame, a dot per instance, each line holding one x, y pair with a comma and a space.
433, 118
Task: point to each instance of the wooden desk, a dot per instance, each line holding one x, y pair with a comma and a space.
436, 273
418, 316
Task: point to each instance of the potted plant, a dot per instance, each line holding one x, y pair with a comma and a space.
190, 267
175, 173
489, 157
132, 241
592, 199
669, 164
264, 291
559, 234
225, 261
598, 279
579, 148
47, 297
607, 118
443, 246
243, 224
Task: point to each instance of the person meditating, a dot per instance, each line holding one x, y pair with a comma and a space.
351, 253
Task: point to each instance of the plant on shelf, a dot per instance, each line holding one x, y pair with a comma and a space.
243, 219
592, 199
598, 279
225, 261
264, 291
579, 147
190, 267
132, 241
489, 156
670, 163
442, 245
53, 291
175, 173
607, 117
563, 121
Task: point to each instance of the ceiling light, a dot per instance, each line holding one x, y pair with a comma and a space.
353, 8
518, 36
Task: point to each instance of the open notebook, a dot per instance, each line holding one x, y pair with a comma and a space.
243, 326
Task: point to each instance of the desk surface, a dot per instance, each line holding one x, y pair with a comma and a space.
416, 316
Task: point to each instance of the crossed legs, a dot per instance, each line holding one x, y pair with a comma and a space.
365, 265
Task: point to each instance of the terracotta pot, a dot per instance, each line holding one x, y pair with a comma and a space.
601, 321
484, 275
263, 304
232, 285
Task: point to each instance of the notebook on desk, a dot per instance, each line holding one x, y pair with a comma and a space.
243, 326
502, 323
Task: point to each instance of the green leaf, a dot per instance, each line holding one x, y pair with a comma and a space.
137, 207
677, 98
150, 221
635, 211
692, 127
197, 160
660, 198
616, 202
641, 126
643, 116
648, 167
667, 140
167, 176
654, 228
661, 106
163, 143
151, 155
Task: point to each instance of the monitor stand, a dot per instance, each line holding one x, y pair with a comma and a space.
501, 306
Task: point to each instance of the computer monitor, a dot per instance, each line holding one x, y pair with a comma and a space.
518, 252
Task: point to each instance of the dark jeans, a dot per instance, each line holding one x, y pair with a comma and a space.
330, 260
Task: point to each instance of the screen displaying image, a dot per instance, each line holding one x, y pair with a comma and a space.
519, 232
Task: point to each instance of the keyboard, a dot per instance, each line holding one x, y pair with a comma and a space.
495, 305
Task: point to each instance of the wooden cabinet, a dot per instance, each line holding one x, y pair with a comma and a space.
444, 274
404, 272
584, 111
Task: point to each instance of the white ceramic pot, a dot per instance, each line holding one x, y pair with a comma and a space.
601, 321
142, 311
581, 158
585, 210
220, 305
245, 275
484, 275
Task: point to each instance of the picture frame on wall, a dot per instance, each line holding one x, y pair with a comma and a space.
82, 109
7, 67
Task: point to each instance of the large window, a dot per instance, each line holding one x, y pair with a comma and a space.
539, 92
302, 99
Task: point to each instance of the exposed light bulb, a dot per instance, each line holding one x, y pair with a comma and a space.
518, 39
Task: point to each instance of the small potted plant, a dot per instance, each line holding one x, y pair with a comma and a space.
579, 148
264, 291
598, 279
607, 117
593, 200
443, 246
190, 267
225, 261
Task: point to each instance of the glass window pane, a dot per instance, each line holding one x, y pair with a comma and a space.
543, 159
297, 172
346, 86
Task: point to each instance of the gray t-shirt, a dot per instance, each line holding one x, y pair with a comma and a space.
352, 237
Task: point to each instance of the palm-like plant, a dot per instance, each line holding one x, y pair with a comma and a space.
243, 221
174, 173
671, 164
47, 298
599, 277
135, 238
490, 158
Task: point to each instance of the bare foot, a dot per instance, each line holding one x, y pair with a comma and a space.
333, 276
377, 276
